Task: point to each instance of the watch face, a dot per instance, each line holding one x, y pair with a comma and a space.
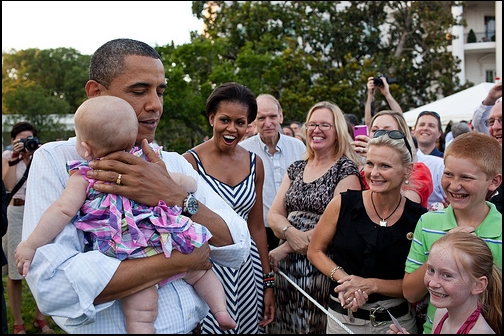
192, 204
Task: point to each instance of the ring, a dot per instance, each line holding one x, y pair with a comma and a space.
361, 149
118, 181
348, 299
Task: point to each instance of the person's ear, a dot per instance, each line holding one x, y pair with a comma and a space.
88, 154
211, 119
495, 183
93, 88
480, 285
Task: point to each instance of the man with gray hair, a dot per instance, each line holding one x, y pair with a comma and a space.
458, 129
276, 150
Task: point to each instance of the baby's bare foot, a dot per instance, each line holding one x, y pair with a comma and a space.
225, 321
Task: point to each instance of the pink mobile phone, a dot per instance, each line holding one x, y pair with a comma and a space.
360, 130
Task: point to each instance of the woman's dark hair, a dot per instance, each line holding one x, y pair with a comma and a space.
21, 127
232, 92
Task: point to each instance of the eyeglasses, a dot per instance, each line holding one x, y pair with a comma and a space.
322, 127
491, 122
395, 134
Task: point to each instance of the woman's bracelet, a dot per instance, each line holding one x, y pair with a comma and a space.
334, 271
285, 229
269, 280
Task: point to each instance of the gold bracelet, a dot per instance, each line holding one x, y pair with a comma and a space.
334, 271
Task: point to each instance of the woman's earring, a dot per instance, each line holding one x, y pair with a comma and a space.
211, 125
406, 182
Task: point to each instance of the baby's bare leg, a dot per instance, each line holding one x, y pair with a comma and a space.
209, 287
141, 310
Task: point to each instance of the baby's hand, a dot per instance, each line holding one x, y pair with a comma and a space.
23, 256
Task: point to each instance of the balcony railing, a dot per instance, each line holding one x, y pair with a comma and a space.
488, 36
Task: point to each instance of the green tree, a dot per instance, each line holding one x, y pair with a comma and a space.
328, 51
42, 86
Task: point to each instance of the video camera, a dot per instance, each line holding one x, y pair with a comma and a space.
379, 82
30, 144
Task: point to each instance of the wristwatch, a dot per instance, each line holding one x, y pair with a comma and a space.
190, 207
285, 229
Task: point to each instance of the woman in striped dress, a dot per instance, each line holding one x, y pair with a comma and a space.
237, 175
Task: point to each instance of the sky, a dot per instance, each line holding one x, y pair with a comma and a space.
86, 25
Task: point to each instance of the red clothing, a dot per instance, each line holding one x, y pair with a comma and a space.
466, 327
420, 181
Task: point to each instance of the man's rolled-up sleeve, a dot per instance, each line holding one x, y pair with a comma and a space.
65, 282
233, 255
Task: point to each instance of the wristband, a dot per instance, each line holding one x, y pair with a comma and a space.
269, 280
15, 162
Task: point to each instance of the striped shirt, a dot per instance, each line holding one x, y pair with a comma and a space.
433, 225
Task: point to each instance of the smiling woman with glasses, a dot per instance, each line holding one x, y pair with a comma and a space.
307, 187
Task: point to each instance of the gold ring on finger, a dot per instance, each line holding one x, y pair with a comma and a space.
118, 181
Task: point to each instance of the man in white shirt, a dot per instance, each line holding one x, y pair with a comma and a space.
80, 290
482, 112
276, 150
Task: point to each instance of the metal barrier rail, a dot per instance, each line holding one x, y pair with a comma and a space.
315, 302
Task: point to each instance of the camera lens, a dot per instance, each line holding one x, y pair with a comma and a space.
378, 81
31, 143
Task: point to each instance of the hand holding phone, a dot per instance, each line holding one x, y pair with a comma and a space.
360, 130
396, 323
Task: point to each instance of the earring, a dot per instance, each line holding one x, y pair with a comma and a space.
211, 125
406, 182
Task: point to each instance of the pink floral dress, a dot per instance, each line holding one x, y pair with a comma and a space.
125, 229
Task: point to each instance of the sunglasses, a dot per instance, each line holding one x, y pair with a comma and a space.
432, 113
396, 135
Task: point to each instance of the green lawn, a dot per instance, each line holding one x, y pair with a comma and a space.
28, 308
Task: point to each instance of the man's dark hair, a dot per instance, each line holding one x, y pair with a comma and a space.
352, 119
108, 61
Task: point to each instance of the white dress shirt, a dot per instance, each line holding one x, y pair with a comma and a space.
64, 281
288, 150
479, 116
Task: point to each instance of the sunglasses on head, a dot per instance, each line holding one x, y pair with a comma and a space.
396, 135
432, 113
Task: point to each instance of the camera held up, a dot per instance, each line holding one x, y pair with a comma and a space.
379, 82
30, 143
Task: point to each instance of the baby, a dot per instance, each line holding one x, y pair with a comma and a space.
120, 227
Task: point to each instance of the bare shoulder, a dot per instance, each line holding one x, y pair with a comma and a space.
481, 327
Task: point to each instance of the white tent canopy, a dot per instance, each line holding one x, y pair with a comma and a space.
457, 107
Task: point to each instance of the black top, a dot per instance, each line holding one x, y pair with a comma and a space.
366, 249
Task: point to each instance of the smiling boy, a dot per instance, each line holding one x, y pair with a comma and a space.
473, 167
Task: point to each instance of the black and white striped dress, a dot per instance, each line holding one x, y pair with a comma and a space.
243, 287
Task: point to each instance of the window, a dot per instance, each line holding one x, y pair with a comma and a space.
490, 28
490, 76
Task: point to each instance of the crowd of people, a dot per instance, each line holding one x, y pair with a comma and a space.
265, 227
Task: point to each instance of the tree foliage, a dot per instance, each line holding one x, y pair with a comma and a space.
301, 52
